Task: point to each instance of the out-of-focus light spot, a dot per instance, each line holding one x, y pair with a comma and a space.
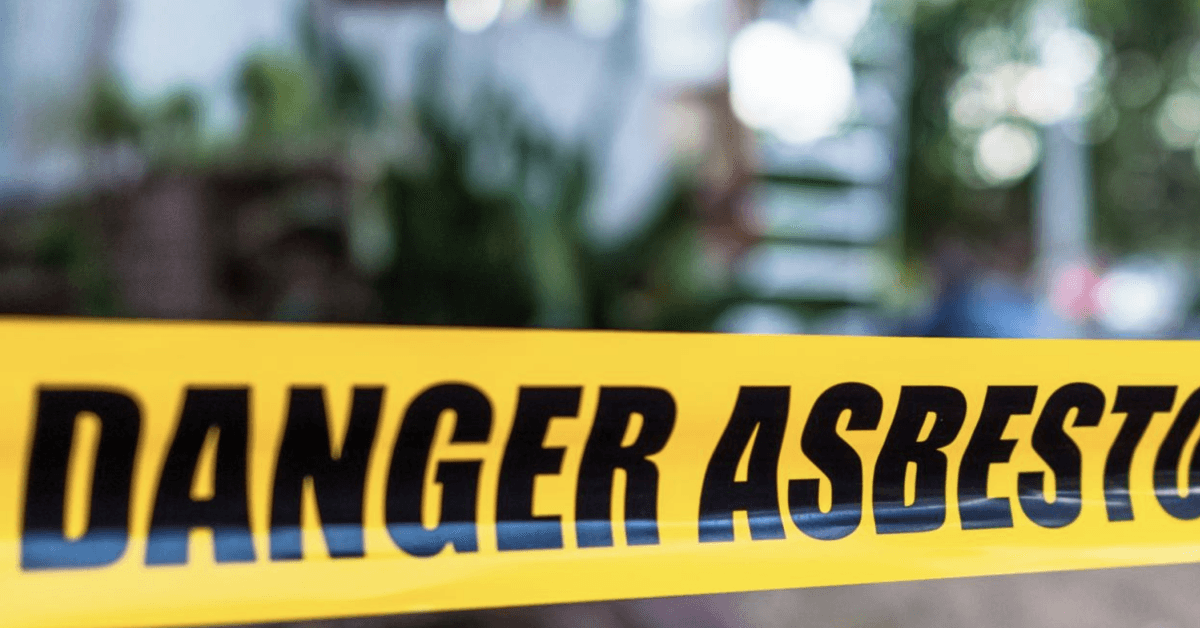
976, 101
1056, 89
1062, 85
798, 88
472, 16
1178, 120
597, 18
1006, 78
840, 20
986, 48
1072, 55
1136, 300
1138, 80
1043, 98
1006, 152
1072, 292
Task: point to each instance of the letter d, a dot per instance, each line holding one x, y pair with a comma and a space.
44, 541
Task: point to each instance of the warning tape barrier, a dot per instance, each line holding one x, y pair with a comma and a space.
156, 474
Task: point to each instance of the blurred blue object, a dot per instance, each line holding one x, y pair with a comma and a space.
987, 308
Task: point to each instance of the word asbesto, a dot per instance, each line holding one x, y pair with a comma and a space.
754, 434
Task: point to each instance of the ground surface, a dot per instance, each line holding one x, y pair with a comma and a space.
1153, 597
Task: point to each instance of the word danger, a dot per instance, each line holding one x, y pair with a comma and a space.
754, 432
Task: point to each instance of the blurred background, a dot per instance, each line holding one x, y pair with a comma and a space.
911, 167
996, 168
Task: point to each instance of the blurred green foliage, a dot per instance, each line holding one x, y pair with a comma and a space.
1144, 192
322, 92
68, 244
278, 98
485, 215
490, 228
108, 116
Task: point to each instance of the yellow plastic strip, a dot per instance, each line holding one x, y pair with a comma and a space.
156, 474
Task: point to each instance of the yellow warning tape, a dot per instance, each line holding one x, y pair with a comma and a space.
169, 473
